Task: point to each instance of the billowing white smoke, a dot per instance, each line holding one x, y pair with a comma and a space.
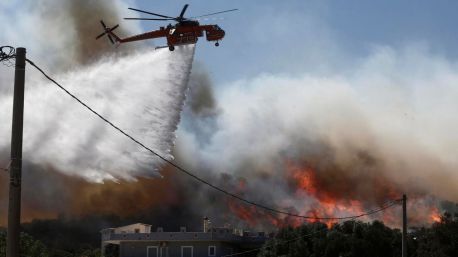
392, 115
142, 93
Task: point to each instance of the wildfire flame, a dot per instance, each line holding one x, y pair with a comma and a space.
326, 205
435, 215
321, 202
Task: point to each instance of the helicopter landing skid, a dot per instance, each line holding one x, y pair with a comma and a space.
160, 47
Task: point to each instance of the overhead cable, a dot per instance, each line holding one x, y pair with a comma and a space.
183, 170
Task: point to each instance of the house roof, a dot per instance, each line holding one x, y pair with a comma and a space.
182, 236
143, 224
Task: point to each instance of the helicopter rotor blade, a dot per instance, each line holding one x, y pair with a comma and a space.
183, 11
103, 24
115, 27
151, 13
111, 39
149, 19
210, 19
205, 15
101, 35
104, 30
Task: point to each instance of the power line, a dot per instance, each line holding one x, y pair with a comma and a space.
183, 170
313, 233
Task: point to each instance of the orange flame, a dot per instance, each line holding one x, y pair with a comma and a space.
246, 213
327, 205
435, 216
323, 201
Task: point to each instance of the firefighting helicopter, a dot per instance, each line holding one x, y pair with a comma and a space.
185, 31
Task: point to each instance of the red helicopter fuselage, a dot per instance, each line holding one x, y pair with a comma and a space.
183, 33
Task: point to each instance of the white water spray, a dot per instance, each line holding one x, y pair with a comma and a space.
142, 93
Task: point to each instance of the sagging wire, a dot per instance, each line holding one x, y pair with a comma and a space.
183, 170
7, 53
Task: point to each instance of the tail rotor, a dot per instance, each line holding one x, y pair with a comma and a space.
107, 31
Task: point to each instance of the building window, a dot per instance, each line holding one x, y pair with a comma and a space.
152, 251
212, 250
164, 251
137, 230
187, 251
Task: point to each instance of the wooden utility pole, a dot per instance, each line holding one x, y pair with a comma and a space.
14, 208
404, 225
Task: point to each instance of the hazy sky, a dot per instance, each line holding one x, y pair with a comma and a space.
297, 36
294, 79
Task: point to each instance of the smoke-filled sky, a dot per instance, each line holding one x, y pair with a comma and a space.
303, 106
298, 36
122, 87
364, 94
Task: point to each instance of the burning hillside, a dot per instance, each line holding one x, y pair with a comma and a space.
334, 144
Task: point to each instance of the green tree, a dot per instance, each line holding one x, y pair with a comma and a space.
29, 247
349, 239
441, 240
296, 242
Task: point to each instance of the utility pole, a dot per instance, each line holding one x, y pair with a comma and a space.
404, 225
14, 208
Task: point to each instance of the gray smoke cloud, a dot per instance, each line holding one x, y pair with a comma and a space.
202, 100
116, 82
62, 33
365, 133
383, 128
65, 147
